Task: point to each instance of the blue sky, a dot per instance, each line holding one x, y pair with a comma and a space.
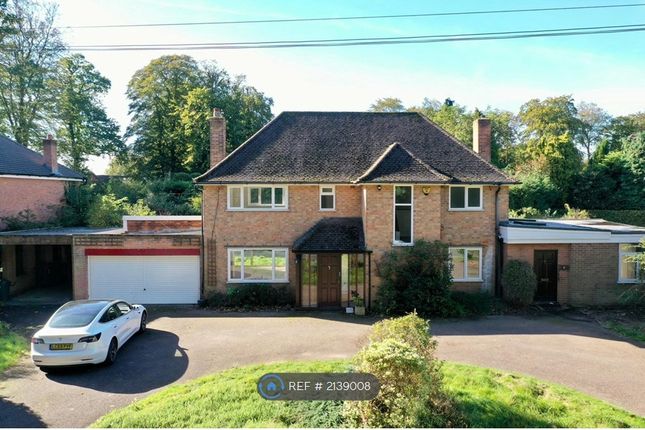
605, 69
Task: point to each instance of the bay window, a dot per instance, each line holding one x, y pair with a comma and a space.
257, 265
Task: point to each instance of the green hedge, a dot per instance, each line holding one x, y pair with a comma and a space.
251, 295
635, 217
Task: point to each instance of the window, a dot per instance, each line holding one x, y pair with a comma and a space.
257, 265
20, 262
629, 271
403, 215
466, 264
257, 197
327, 198
466, 198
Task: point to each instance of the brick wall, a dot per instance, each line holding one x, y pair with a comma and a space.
81, 243
526, 253
42, 197
162, 225
594, 274
224, 229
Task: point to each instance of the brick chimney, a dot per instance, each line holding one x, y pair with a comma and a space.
481, 138
50, 154
218, 137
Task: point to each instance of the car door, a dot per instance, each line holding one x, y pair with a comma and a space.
131, 320
111, 318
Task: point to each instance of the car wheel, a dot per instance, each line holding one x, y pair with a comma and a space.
144, 322
112, 351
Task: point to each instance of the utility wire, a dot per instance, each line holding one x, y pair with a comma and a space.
461, 37
358, 17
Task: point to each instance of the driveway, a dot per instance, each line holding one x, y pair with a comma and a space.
184, 344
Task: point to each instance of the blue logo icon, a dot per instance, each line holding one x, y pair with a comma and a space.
271, 386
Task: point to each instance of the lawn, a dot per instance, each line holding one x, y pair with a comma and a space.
12, 347
633, 331
488, 398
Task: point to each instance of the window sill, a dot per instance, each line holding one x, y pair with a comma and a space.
327, 210
395, 243
257, 210
267, 281
628, 281
466, 210
468, 280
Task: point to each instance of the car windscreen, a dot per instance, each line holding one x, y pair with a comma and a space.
76, 314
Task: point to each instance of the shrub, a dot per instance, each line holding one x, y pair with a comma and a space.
518, 283
23, 220
536, 191
78, 199
473, 304
107, 210
401, 355
251, 295
415, 277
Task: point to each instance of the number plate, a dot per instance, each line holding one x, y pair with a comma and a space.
61, 346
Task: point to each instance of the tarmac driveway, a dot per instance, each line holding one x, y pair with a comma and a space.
183, 344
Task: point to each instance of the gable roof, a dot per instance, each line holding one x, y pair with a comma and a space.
343, 147
333, 234
16, 159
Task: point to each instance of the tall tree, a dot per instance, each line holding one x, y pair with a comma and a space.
84, 127
387, 104
157, 94
623, 127
549, 128
174, 119
31, 49
592, 127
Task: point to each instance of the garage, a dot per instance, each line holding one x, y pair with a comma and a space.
144, 276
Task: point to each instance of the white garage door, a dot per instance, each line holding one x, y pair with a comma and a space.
145, 279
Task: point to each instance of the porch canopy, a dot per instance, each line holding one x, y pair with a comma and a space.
333, 263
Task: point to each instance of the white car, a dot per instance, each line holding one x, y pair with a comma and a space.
87, 331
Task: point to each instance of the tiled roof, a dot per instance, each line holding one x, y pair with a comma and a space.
333, 234
16, 159
341, 147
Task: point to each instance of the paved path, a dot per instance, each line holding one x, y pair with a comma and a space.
185, 344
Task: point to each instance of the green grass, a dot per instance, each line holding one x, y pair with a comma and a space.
486, 397
12, 347
631, 332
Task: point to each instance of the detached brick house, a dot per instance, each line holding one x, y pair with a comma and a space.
32, 182
314, 200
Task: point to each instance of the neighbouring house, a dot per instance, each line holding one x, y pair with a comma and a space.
32, 182
314, 200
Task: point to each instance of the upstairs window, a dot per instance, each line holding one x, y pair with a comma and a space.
327, 198
403, 215
466, 198
257, 197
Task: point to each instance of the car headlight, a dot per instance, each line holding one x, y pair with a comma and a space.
90, 339
37, 340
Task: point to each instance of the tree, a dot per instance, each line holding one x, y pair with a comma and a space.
171, 100
31, 50
504, 134
85, 129
592, 127
387, 104
452, 117
623, 127
547, 139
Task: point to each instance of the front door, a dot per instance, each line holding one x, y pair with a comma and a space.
546, 270
328, 280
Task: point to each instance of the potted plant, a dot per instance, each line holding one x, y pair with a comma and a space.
359, 304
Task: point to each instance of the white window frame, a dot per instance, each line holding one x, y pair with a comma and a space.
394, 205
322, 193
273, 280
479, 277
622, 254
245, 192
466, 207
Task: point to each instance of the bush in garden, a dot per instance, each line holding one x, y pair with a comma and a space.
401, 355
518, 283
415, 277
251, 295
473, 304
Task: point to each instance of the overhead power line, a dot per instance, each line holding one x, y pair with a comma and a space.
437, 38
360, 17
